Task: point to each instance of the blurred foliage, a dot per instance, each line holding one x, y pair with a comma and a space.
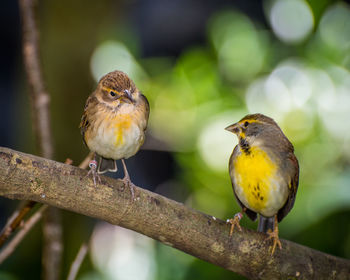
301, 78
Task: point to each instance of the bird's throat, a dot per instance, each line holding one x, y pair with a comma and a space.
243, 143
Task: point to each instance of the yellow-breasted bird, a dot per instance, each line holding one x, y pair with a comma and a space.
113, 123
264, 173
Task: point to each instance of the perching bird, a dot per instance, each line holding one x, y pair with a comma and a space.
113, 123
264, 173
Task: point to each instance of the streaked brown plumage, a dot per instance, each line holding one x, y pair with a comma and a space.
114, 121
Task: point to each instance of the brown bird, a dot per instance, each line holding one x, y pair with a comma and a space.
264, 173
113, 123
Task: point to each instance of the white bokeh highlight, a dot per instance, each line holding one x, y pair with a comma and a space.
334, 27
285, 95
334, 107
291, 20
216, 144
113, 55
122, 254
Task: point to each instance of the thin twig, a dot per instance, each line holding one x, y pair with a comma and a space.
27, 226
15, 220
41, 122
78, 261
85, 163
40, 101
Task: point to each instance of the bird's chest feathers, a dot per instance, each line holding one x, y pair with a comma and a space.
117, 135
254, 176
121, 127
122, 130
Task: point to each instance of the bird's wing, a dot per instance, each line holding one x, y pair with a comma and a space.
147, 109
85, 123
293, 168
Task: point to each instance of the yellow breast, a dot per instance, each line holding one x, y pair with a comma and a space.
121, 125
253, 174
116, 135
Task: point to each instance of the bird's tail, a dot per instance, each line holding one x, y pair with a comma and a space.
106, 164
266, 223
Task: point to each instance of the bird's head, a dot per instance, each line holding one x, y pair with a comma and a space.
253, 127
117, 89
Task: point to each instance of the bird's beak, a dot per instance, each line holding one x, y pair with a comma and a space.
128, 95
234, 128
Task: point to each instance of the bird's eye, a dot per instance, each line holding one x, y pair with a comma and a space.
112, 93
246, 124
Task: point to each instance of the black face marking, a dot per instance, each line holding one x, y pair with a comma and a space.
245, 146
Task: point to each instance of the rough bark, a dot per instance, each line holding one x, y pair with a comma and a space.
29, 177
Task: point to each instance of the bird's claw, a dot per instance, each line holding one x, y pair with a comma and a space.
127, 182
93, 168
276, 241
235, 222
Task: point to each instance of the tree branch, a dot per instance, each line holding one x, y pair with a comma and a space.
29, 177
40, 101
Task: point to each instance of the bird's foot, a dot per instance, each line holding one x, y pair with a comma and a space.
235, 222
93, 168
127, 182
276, 241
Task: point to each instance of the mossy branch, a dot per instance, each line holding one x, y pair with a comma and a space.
28, 177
